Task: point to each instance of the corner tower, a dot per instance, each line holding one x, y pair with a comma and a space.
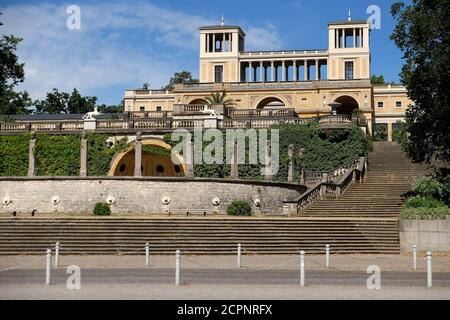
220, 46
349, 50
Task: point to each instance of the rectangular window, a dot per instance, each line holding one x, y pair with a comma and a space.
158, 108
380, 104
141, 108
348, 70
398, 104
218, 74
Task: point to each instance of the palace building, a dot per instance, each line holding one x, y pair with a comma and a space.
313, 82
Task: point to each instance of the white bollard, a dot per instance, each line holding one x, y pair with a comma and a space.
177, 268
414, 257
147, 252
239, 256
57, 255
429, 270
327, 256
302, 268
48, 266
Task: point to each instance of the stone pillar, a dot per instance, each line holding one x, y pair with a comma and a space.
305, 70
138, 155
354, 37
317, 69
214, 42
360, 37
268, 161
83, 154
224, 49
389, 132
302, 175
250, 72
283, 71
189, 157
291, 150
261, 69
295, 71
234, 172
272, 70
31, 158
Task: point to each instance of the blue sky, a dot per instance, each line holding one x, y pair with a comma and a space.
124, 44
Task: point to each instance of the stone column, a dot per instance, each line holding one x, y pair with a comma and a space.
389, 132
302, 175
214, 42
234, 172
250, 72
295, 71
283, 71
189, 157
317, 69
272, 70
291, 150
138, 155
83, 154
268, 161
305, 70
223, 47
261, 74
354, 37
360, 37
31, 158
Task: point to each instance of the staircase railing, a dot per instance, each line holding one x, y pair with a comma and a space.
327, 188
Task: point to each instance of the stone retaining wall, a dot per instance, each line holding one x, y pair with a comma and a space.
140, 195
431, 235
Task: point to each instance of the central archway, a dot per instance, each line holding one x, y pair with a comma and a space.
198, 101
271, 103
348, 104
156, 161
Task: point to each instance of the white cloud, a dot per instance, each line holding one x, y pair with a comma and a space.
118, 44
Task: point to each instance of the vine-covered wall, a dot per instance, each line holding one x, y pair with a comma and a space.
60, 155
14, 155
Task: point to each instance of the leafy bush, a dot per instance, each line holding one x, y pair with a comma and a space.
102, 209
428, 187
424, 213
423, 202
239, 208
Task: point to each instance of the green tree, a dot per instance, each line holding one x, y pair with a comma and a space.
423, 34
80, 104
374, 79
63, 102
180, 77
219, 98
11, 74
112, 108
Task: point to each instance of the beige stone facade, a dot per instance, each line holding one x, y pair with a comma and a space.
305, 80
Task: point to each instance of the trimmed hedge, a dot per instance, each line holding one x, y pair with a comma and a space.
14, 155
239, 208
101, 209
423, 202
424, 213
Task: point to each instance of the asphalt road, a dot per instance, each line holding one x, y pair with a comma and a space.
222, 277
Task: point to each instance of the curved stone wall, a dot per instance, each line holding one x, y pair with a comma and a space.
140, 195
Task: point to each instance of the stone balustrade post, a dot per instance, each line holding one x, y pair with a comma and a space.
268, 161
291, 150
234, 172
31, 157
83, 154
138, 155
189, 157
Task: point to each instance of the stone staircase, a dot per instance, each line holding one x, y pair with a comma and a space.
363, 220
113, 235
382, 194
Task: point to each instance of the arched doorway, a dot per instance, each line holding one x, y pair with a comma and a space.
198, 101
156, 161
348, 104
271, 103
